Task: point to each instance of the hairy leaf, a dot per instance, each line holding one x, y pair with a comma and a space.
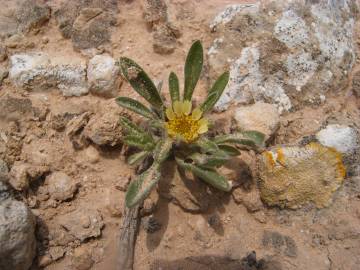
135, 106
230, 150
140, 81
207, 145
249, 138
141, 142
174, 87
193, 66
209, 176
162, 150
209, 161
131, 127
215, 92
140, 188
137, 158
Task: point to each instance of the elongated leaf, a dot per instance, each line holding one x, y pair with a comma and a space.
131, 127
230, 150
140, 142
162, 150
193, 66
209, 161
140, 81
174, 87
249, 138
140, 188
215, 92
209, 176
206, 145
135, 106
137, 158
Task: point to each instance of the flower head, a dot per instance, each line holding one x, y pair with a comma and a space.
185, 123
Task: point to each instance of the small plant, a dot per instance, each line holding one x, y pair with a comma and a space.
177, 131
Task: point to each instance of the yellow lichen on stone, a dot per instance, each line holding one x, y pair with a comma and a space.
294, 176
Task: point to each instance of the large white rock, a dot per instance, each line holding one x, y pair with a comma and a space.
103, 76
283, 52
343, 138
17, 233
39, 72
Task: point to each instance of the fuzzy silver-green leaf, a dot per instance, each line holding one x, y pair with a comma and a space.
192, 70
137, 158
140, 81
174, 87
135, 106
209, 176
141, 142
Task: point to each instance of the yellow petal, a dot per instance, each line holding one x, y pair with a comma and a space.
203, 126
196, 114
177, 105
186, 107
170, 113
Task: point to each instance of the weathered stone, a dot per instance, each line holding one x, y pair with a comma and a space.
74, 130
104, 129
104, 76
164, 37
3, 53
295, 176
3, 171
82, 223
281, 243
14, 108
356, 84
62, 113
17, 235
91, 28
32, 15
343, 138
3, 74
251, 200
60, 186
37, 71
260, 116
56, 252
283, 53
22, 174
155, 12
81, 259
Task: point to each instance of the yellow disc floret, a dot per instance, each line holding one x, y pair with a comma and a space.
184, 124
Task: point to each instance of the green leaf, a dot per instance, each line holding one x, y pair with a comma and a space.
209, 176
193, 66
207, 145
140, 188
131, 127
215, 92
162, 150
141, 142
209, 161
230, 150
249, 138
140, 81
137, 158
174, 87
135, 106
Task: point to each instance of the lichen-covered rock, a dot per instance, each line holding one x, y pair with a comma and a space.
17, 235
104, 76
82, 223
294, 176
260, 116
343, 138
37, 71
60, 186
283, 52
104, 129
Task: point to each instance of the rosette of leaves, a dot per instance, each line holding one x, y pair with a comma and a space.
176, 130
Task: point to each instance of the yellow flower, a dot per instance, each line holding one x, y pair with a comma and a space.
183, 123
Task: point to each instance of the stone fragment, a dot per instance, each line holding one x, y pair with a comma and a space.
32, 15
306, 51
343, 138
56, 252
17, 235
14, 108
104, 76
155, 12
281, 243
260, 116
3, 53
251, 200
104, 129
81, 259
62, 113
91, 28
295, 176
22, 174
3, 171
356, 84
82, 223
39, 72
3, 74
74, 130
60, 186
164, 36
